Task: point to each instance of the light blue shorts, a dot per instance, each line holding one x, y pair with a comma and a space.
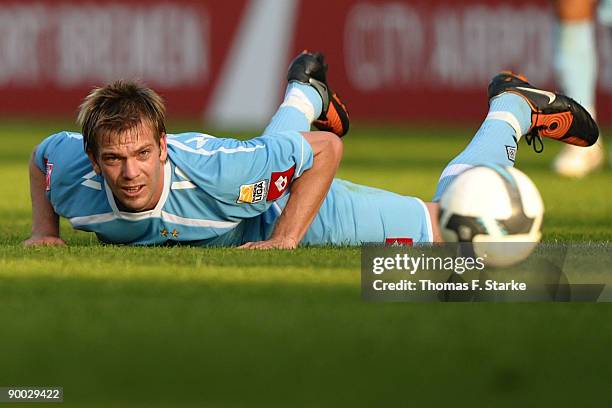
352, 215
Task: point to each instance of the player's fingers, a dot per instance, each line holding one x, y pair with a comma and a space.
269, 244
46, 241
258, 245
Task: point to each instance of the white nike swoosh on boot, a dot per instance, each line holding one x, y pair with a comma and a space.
551, 96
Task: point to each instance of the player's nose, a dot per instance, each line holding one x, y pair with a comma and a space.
130, 169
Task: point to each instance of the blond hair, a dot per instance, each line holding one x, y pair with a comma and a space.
118, 107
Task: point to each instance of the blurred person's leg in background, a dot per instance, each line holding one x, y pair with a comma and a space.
604, 13
576, 70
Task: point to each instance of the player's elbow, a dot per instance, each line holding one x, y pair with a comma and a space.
333, 146
33, 155
337, 146
32, 163
325, 144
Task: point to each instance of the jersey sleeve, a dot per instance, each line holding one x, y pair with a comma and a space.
71, 185
244, 177
44, 148
62, 147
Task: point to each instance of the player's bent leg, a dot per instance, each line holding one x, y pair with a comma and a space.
519, 109
311, 69
301, 106
553, 115
495, 141
309, 100
304, 101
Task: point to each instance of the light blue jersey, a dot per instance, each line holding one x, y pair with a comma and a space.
223, 192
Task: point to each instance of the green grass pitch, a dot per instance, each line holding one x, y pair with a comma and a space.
182, 327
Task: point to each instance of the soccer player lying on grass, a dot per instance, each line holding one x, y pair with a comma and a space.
128, 181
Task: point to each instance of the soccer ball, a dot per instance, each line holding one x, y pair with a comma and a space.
496, 211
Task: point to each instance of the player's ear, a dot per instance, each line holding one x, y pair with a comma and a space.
94, 162
163, 147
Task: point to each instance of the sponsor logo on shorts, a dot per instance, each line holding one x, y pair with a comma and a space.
511, 152
252, 193
48, 171
279, 183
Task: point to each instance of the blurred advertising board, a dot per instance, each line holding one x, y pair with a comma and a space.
226, 61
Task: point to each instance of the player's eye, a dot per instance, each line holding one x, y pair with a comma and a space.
143, 154
111, 159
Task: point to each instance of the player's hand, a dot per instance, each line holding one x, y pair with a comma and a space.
44, 241
272, 243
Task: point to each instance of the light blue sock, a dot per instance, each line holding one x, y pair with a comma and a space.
301, 106
495, 142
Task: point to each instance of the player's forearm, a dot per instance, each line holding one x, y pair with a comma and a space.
45, 222
309, 191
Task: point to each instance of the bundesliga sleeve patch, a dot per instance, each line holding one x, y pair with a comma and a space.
279, 182
49, 170
511, 153
252, 193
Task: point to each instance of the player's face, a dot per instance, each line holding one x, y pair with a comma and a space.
132, 164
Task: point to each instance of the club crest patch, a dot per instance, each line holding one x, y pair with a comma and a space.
511, 152
398, 241
252, 193
279, 182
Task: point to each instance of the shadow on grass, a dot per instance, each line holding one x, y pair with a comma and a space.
146, 342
